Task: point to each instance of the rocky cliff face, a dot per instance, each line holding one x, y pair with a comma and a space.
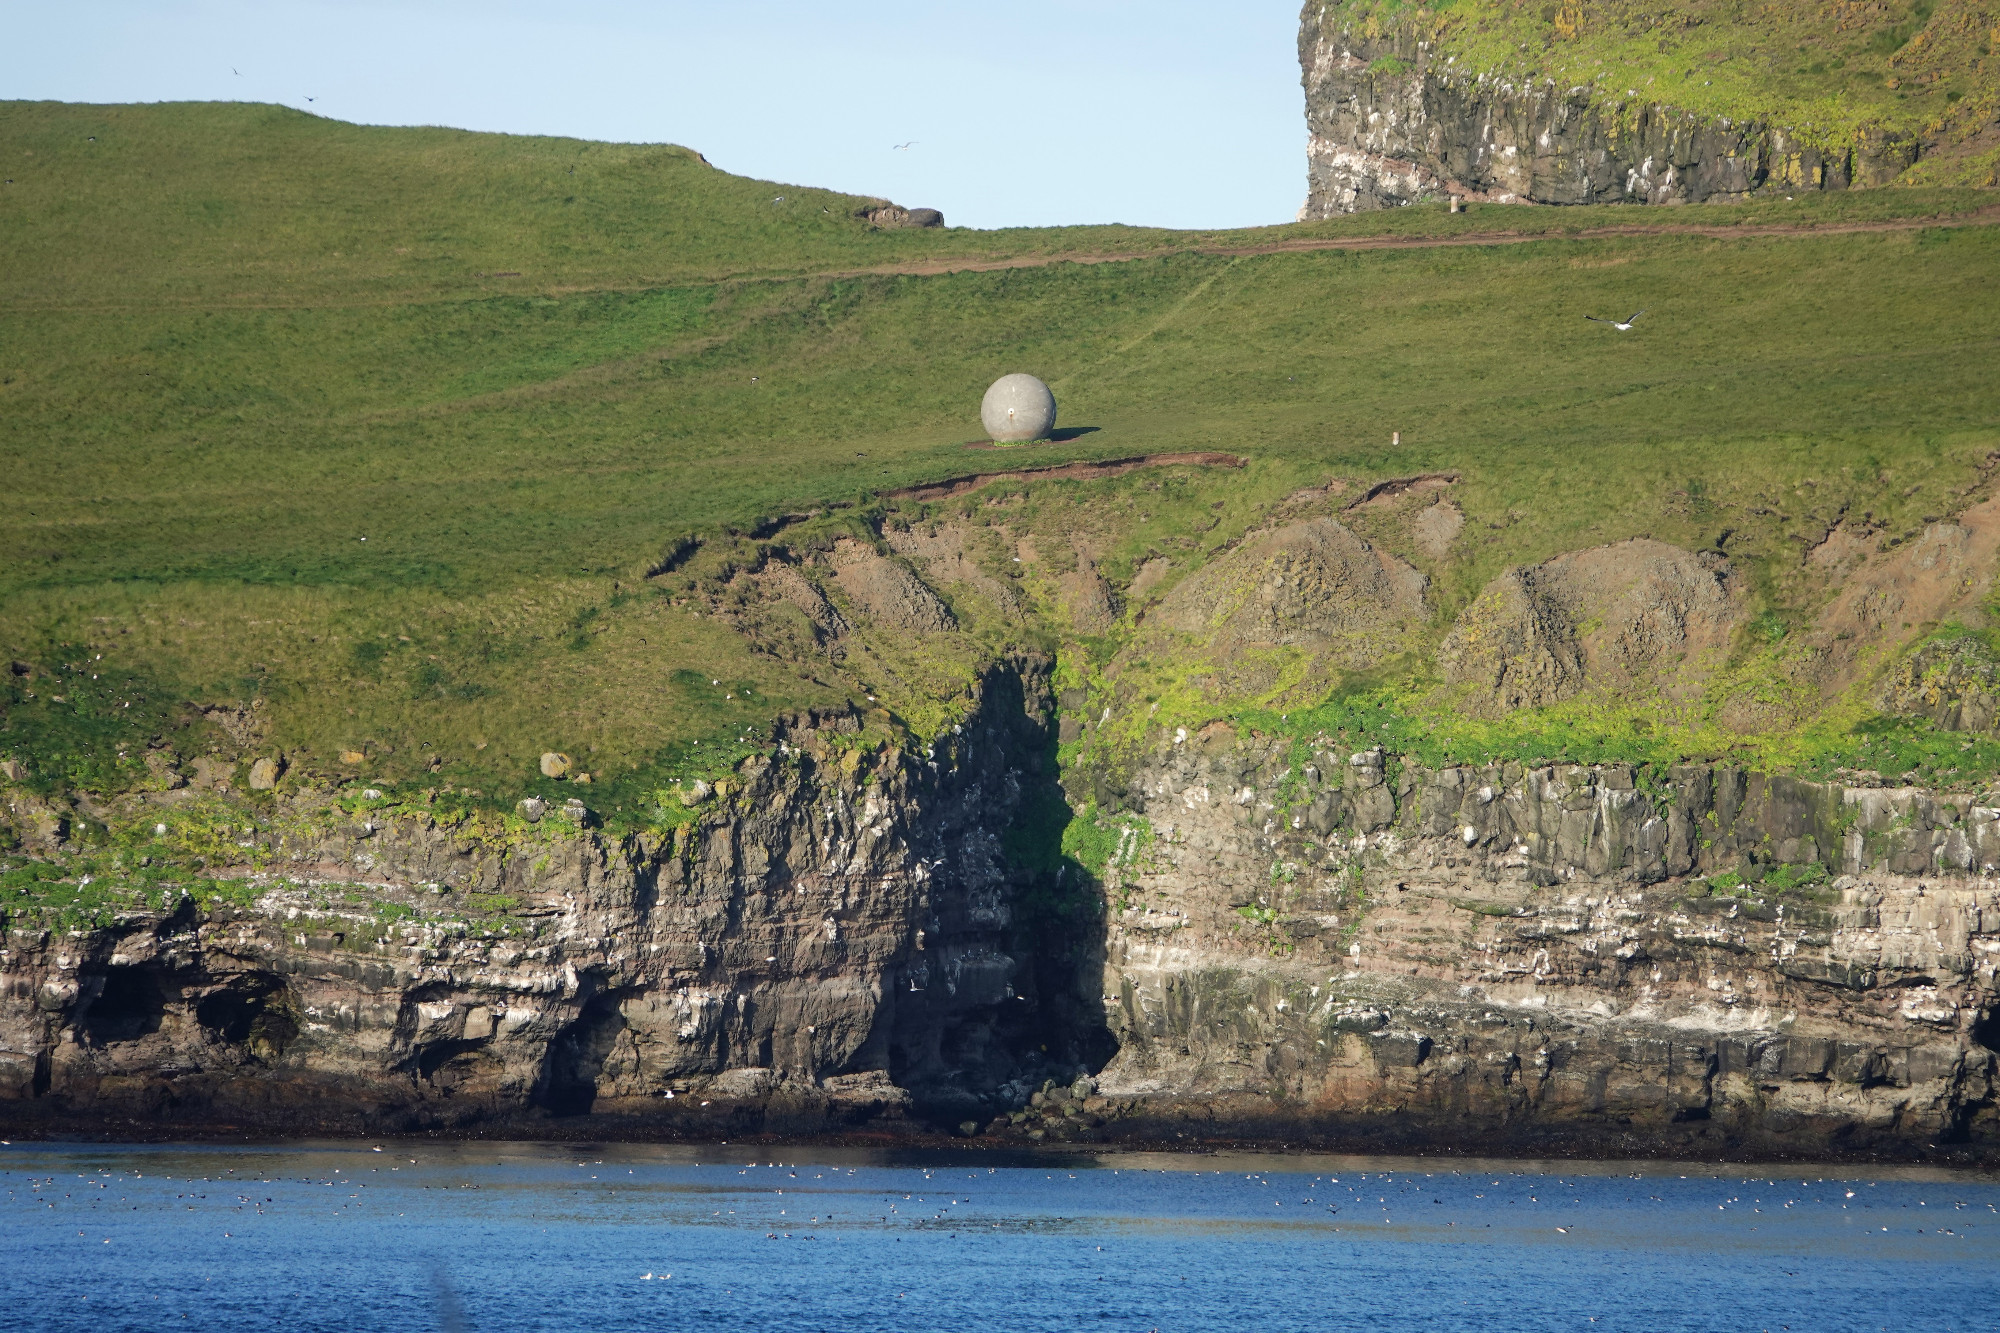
838, 934
1289, 944
1390, 121
1499, 956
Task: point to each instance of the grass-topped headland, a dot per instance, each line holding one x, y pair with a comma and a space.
1829, 72
441, 450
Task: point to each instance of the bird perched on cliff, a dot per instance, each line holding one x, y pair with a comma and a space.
1618, 324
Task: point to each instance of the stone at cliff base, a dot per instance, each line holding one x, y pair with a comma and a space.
554, 764
264, 774
1018, 407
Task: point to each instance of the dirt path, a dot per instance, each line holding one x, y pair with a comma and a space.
932, 268
1983, 217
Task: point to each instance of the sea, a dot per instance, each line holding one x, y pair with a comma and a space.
421, 1235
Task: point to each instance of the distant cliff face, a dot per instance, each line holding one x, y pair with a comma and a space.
1391, 121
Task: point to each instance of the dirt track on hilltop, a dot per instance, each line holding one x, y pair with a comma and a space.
527, 283
1720, 231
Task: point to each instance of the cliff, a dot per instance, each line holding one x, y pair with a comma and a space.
1605, 103
1514, 956
835, 933
1286, 943
1390, 121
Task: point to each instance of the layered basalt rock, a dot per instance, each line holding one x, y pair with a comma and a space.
839, 936
1300, 945
1348, 949
1289, 943
1391, 121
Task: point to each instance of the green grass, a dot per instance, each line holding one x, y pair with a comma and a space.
218, 376
1830, 71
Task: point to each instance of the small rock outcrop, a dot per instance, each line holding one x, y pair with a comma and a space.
1288, 610
794, 587
886, 592
1637, 615
895, 216
1312, 585
1954, 682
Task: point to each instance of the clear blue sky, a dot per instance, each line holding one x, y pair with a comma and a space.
1168, 112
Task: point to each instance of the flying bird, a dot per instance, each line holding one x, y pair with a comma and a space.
237, 72
904, 147
1619, 324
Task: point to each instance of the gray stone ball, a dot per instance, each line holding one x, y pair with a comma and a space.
1018, 407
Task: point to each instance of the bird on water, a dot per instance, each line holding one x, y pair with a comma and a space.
1619, 324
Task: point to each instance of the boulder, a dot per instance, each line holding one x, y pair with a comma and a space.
211, 773
554, 764
264, 773
896, 216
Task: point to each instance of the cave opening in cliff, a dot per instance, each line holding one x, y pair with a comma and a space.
1986, 1030
575, 1059
131, 1003
254, 1012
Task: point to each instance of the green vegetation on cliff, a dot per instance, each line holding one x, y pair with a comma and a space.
411, 454
1830, 71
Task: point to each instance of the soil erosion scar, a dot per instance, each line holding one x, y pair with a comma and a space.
1395, 486
1110, 467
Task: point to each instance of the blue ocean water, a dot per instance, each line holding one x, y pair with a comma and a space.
421, 1236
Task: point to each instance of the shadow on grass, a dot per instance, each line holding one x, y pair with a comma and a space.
1063, 436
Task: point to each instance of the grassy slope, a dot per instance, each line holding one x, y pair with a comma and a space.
1827, 69
217, 375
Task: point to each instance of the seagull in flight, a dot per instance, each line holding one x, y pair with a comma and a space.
1619, 324
237, 72
904, 147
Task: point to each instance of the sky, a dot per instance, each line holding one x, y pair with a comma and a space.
1163, 113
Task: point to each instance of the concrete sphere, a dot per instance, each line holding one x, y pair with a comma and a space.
1018, 407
